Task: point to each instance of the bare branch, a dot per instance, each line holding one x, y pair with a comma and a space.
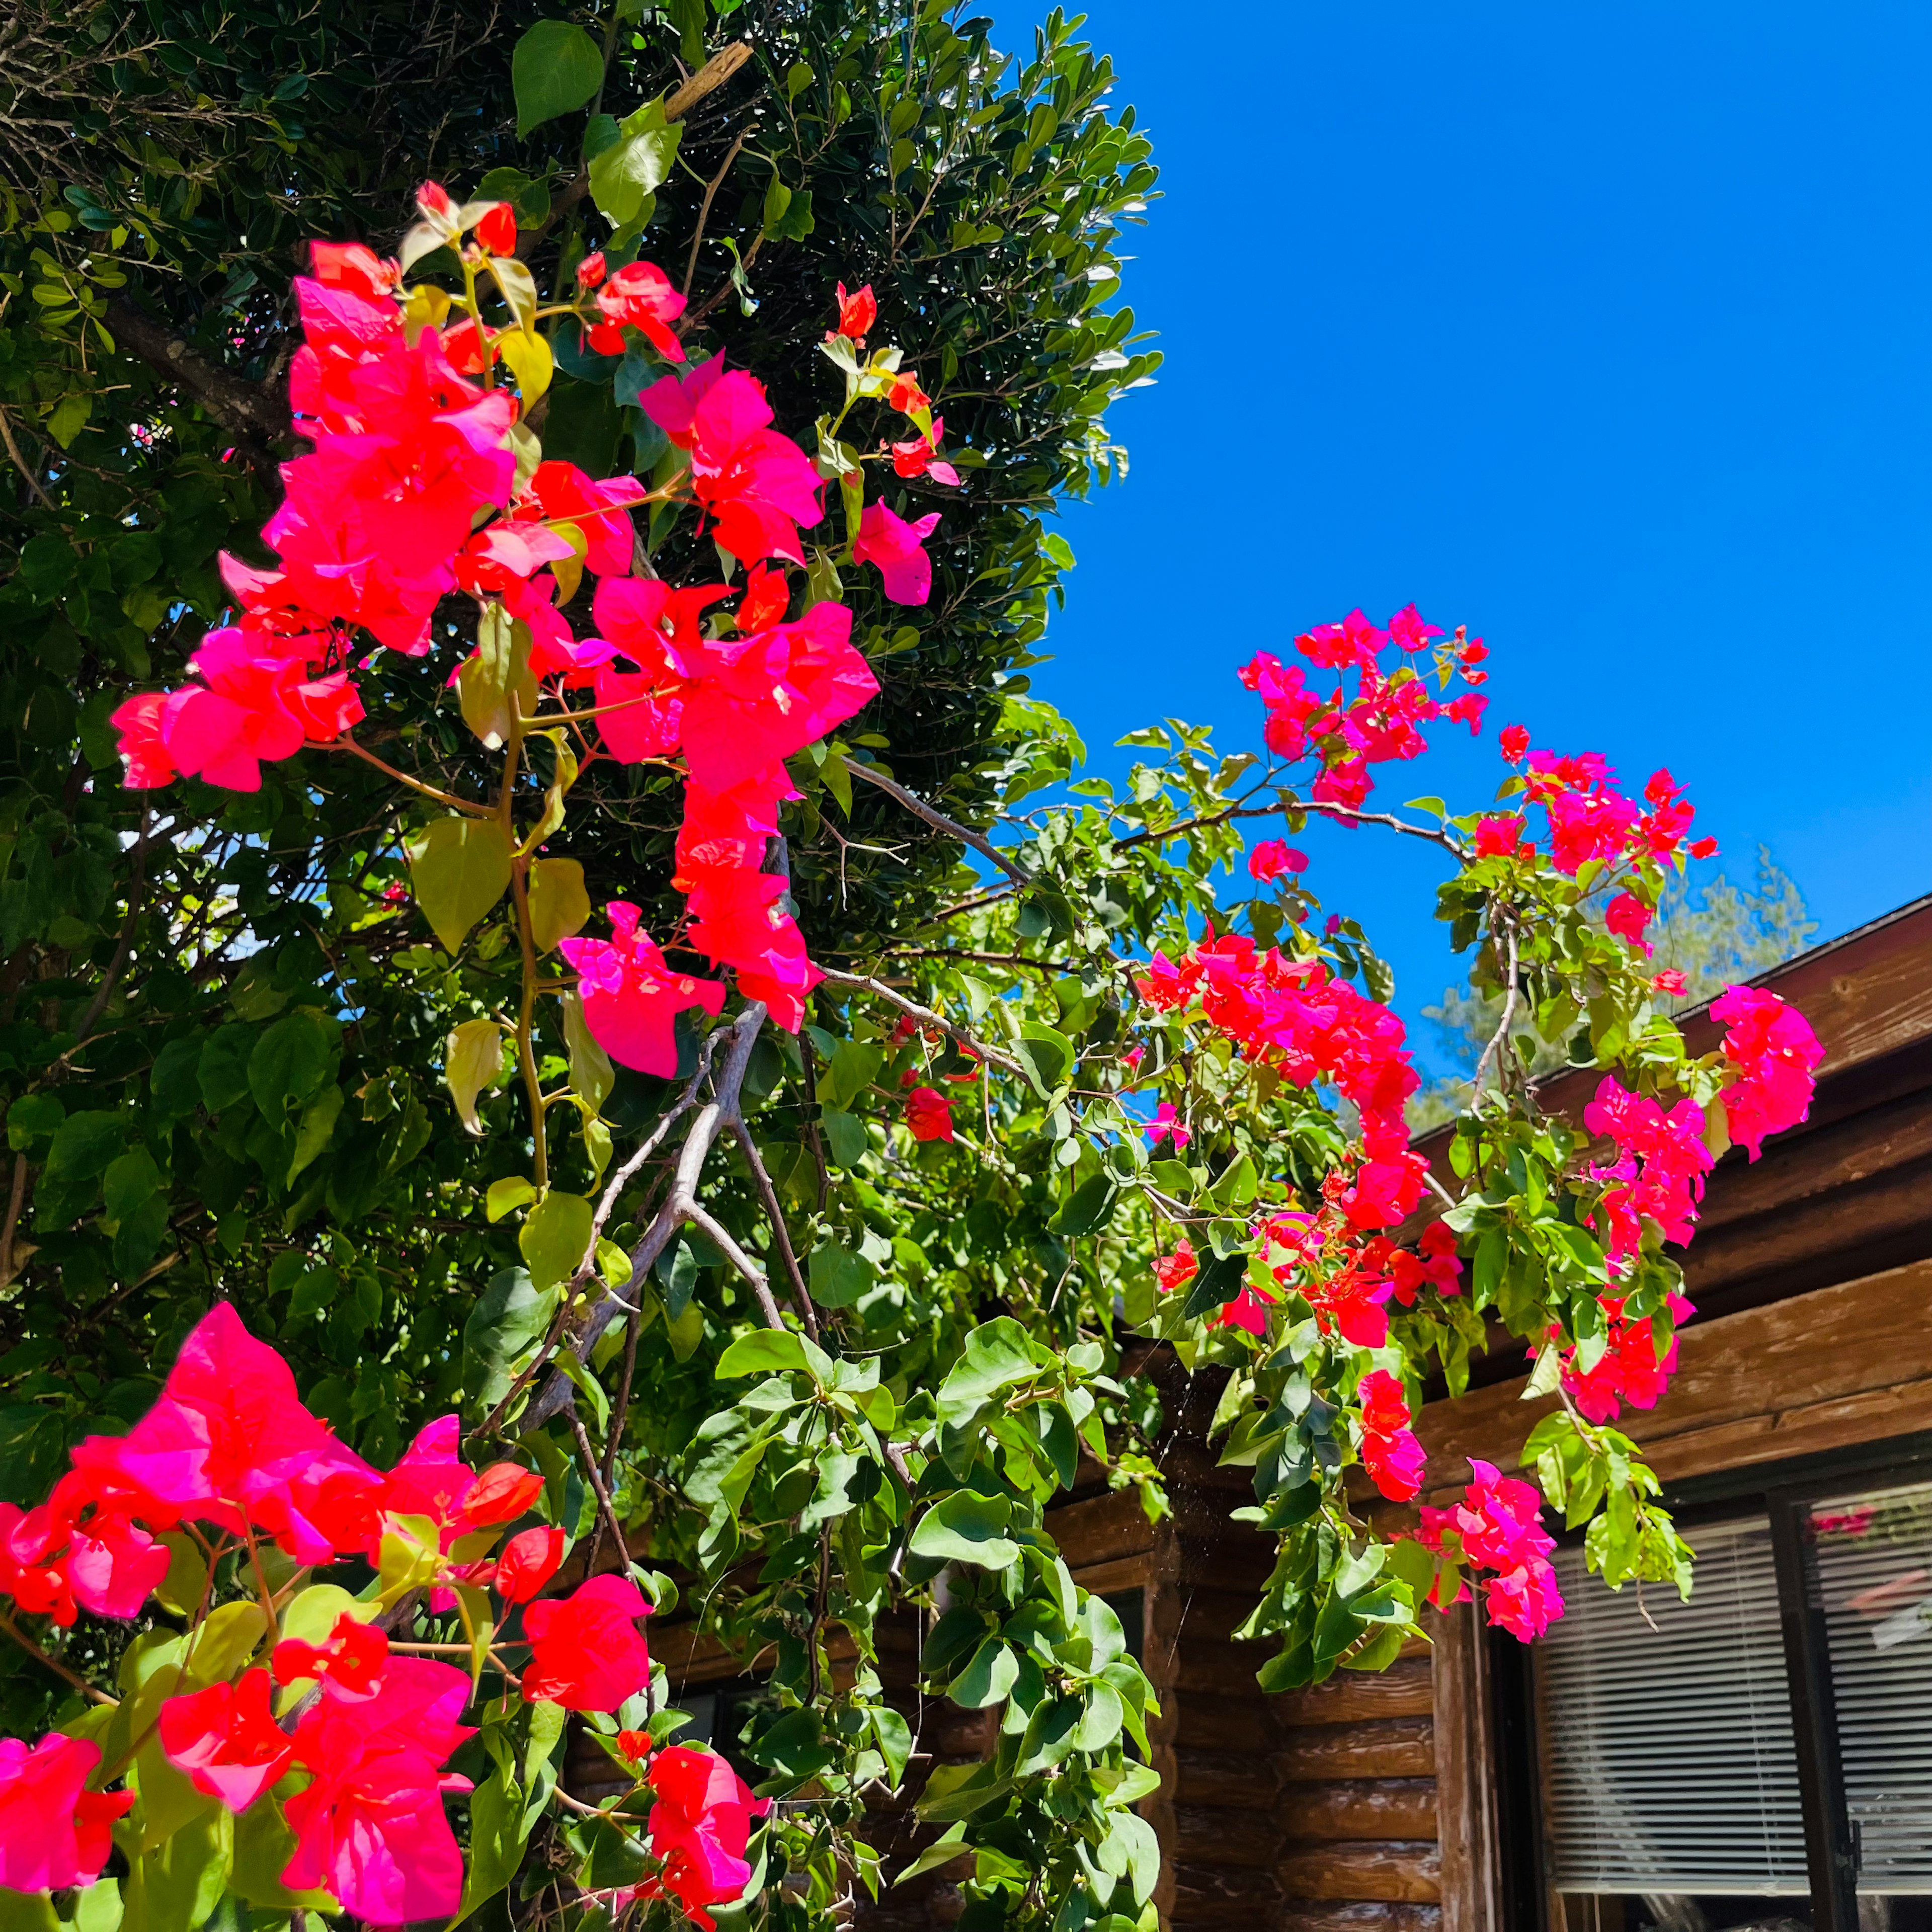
913, 1010
919, 808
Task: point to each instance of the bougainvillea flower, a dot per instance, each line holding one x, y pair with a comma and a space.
371, 1828
250, 706
1500, 836
756, 700
758, 486
496, 228
113, 1565
529, 1560
1391, 1453
1774, 1051
700, 1827
631, 998
350, 1661
1166, 1124
351, 266
226, 1739
1498, 1525
145, 763
1513, 741
503, 553
54, 1832
737, 920
921, 457
1248, 1310
640, 294
502, 1492
1176, 1269
1627, 917
898, 548
590, 270
229, 1443
1670, 981
1273, 856
906, 397
928, 1114
857, 312
1436, 1266
561, 493
586, 1652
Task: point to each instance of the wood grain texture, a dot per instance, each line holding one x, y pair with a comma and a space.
1208, 1723
1404, 1690
1396, 1870
1468, 1816
1783, 1372
1234, 1780
1298, 1916
1360, 1808
1204, 1836
1102, 1529
1386, 1747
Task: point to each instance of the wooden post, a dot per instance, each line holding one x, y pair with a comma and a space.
1466, 1799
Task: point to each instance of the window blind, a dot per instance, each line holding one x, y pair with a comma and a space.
1670, 1766
1872, 1570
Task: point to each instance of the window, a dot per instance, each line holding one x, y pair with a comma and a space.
1759, 1758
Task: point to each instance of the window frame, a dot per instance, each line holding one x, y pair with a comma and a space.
1784, 1491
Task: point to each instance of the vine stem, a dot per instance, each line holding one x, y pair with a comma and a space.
347, 743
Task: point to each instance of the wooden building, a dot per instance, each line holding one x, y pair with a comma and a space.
1761, 1758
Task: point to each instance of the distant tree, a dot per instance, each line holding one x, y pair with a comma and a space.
1715, 936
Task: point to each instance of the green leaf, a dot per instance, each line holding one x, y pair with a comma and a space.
506, 1195
510, 1317
460, 868
1091, 1205
129, 1184
592, 1076
226, 1641
32, 1118
967, 1528
998, 1354
472, 1059
556, 1238
315, 1129
291, 1060
498, 671
838, 1277
556, 69
1047, 1054
992, 1673
765, 1351
223, 1070
86, 1145
559, 906
634, 165
264, 1842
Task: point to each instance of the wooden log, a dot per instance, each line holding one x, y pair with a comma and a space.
1188, 1615
1234, 1780
1856, 1339
1360, 1808
1363, 1916
1404, 1690
1218, 1897
1101, 1530
1218, 1723
1408, 1870
1220, 1669
1225, 1837
1388, 1747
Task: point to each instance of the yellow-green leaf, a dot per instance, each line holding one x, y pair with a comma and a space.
530, 358
473, 1060
592, 1076
460, 868
559, 906
500, 670
555, 1238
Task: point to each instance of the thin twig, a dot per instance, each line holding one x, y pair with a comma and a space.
1498, 1038
704, 208
720, 1238
774, 1214
604, 1504
53, 1664
19, 461
15, 1199
347, 743
913, 1010
919, 808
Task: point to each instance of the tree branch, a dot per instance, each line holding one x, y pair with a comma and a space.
258, 416
919, 808
680, 1207
913, 1010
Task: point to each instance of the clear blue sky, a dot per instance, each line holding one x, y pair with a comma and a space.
1606, 331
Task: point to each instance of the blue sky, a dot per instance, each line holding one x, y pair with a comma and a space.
1606, 332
